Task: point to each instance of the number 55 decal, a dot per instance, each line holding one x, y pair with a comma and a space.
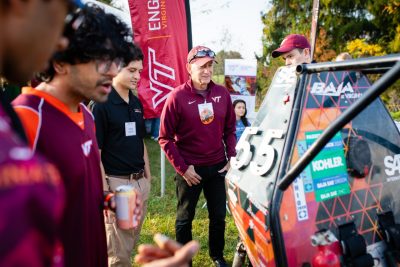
265, 151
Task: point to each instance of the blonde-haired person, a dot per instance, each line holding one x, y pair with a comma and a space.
343, 56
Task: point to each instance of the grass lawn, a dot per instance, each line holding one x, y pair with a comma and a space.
161, 213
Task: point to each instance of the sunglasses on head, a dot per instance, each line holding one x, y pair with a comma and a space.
203, 53
74, 17
74, 4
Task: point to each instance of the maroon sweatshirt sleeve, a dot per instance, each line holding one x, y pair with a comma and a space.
230, 130
169, 121
31, 206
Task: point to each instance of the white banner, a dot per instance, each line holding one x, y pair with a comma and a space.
240, 80
241, 67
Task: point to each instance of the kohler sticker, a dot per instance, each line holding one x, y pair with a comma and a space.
392, 167
328, 168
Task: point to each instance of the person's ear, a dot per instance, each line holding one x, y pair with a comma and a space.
189, 68
307, 52
60, 67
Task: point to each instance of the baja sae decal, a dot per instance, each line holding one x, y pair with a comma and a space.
328, 168
335, 89
306, 174
342, 90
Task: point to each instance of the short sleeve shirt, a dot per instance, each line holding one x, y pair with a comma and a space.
120, 131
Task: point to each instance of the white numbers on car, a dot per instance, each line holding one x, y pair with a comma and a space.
265, 151
243, 152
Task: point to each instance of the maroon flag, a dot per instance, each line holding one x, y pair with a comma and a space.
162, 29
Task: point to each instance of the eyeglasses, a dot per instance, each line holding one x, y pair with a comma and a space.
203, 53
104, 66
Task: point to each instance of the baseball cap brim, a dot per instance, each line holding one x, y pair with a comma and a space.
202, 60
282, 50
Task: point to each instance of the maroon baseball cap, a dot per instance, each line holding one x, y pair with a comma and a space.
200, 55
291, 42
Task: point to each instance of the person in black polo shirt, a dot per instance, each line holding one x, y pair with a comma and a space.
120, 131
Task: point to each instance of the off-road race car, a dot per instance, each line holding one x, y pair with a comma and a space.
316, 179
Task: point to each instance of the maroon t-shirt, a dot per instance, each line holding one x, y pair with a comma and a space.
31, 204
198, 129
75, 153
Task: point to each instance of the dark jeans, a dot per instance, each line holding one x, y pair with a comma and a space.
152, 126
213, 185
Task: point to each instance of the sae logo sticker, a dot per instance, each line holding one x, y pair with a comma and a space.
392, 167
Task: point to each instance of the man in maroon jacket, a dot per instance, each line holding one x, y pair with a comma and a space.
197, 133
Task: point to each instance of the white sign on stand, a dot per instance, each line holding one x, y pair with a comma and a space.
240, 80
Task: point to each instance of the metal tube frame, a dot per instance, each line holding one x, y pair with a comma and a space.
391, 76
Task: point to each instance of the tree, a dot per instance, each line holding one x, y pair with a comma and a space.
219, 69
360, 48
323, 47
377, 22
339, 21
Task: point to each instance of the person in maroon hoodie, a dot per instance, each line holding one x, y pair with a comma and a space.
197, 133
59, 126
31, 190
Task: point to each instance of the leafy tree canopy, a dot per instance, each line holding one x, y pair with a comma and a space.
361, 27
340, 22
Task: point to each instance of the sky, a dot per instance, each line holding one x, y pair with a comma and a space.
230, 25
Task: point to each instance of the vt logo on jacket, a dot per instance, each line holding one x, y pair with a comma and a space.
216, 99
86, 147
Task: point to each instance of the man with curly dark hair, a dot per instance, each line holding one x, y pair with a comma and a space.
59, 126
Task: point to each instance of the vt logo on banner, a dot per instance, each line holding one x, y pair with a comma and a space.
158, 70
160, 29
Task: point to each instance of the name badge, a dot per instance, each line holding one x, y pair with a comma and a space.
130, 128
206, 113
